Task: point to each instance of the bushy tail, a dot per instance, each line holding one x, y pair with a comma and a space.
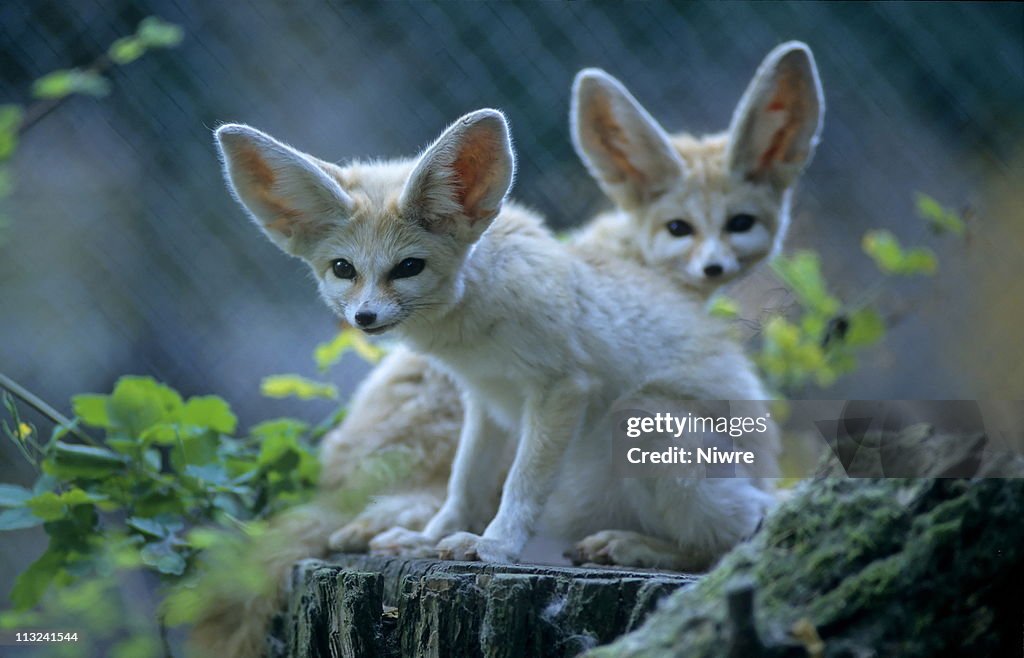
244, 586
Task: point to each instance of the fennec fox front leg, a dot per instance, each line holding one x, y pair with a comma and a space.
472, 486
552, 419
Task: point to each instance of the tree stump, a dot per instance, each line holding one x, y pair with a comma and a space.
371, 607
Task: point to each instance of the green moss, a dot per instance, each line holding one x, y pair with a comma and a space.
891, 567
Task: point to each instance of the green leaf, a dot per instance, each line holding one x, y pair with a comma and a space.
279, 451
10, 121
18, 518
866, 328
940, 219
329, 353
162, 556
32, 583
70, 81
802, 274
149, 527
194, 449
91, 409
164, 434
210, 411
50, 506
883, 247
126, 50
155, 32
10, 117
286, 426
920, 260
723, 307
213, 474
140, 402
11, 495
71, 461
283, 386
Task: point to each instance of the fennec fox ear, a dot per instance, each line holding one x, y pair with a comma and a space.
286, 192
778, 121
623, 147
461, 180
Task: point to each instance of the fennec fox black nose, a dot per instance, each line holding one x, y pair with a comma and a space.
710, 271
365, 318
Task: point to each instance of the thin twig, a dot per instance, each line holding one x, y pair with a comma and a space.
37, 403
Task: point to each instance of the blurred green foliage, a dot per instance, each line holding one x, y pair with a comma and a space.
891, 258
131, 499
329, 353
284, 386
939, 218
820, 341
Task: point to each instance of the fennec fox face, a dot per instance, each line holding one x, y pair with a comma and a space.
707, 208
385, 241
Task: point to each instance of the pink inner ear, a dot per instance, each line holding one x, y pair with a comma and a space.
474, 174
260, 179
612, 136
790, 97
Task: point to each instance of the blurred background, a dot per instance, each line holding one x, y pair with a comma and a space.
126, 254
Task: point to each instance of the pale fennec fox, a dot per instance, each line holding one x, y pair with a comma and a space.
722, 213
541, 340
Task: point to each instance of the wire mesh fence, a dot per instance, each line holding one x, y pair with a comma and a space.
127, 255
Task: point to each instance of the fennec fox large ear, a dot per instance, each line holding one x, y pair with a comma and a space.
286, 192
461, 180
778, 121
622, 146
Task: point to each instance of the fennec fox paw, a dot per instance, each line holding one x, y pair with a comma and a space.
467, 546
632, 549
355, 536
403, 542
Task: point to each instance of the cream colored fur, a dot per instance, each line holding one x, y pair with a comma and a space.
412, 402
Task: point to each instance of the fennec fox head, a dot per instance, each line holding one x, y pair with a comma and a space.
385, 241
707, 209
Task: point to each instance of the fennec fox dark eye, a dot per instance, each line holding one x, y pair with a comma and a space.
407, 268
343, 269
679, 228
740, 223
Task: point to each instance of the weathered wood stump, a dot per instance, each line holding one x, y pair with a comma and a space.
370, 607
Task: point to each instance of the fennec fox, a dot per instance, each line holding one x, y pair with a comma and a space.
408, 401
698, 210
541, 340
